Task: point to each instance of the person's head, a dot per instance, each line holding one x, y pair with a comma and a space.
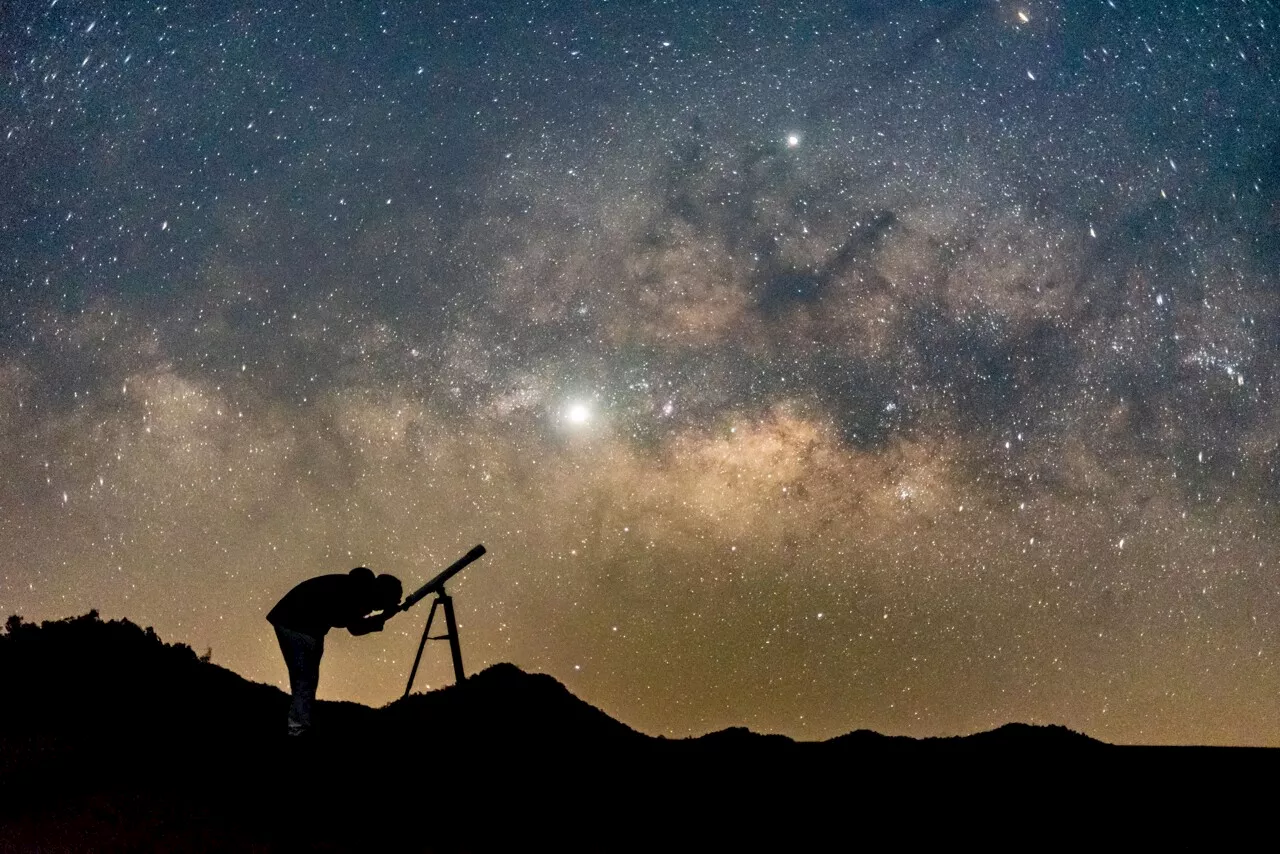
364, 575
387, 592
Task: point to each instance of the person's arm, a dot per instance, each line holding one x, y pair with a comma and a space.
371, 622
365, 625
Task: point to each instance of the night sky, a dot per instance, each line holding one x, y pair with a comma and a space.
911, 366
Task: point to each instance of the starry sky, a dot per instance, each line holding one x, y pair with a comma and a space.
892, 364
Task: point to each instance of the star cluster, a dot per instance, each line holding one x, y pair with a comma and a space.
810, 366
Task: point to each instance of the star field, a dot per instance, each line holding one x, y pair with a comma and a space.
809, 367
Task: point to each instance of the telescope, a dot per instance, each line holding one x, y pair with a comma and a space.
445, 602
437, 583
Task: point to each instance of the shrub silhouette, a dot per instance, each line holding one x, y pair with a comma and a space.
82, 677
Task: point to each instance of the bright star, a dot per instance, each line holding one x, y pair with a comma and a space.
577, 413
793, 140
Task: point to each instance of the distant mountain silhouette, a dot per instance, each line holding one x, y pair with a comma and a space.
111, 739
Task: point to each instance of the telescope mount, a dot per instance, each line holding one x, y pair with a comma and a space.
444, 602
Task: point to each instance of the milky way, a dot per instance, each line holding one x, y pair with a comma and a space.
807, 367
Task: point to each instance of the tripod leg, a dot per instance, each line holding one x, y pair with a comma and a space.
455, 646
422, 643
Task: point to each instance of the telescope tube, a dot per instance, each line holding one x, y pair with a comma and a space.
437, 583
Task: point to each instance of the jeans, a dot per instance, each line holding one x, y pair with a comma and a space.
302, 654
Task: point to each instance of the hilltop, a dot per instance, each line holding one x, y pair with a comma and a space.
111, 738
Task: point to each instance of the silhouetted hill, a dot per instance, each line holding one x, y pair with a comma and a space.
111, 739
505, 708
83, 676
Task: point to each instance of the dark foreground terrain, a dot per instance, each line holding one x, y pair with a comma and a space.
111, 739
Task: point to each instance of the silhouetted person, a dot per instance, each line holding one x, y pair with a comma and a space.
307, 612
